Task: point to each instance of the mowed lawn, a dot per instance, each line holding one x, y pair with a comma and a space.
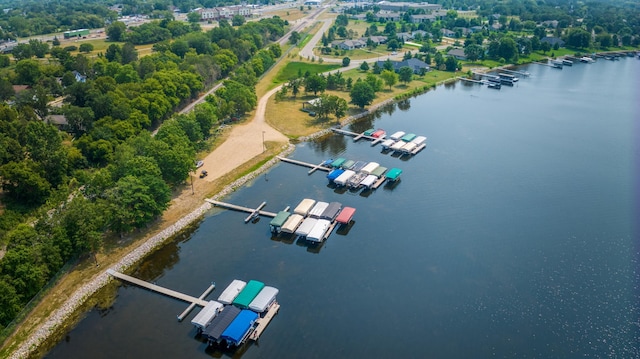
286, 116
291, 70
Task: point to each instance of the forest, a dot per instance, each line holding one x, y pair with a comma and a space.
67, 188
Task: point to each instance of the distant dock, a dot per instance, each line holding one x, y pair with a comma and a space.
253, 212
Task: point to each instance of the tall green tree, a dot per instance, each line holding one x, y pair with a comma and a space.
390, 78
362, 94
405, 74
117, 31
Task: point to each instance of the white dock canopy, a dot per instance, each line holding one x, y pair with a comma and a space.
388, 143
419, 140
306, 227
232, 291
206, 315
343, 178
318, 231
397, 135
410, 146
263, 300
292, 223
316, 211
397, 146
370, 167
369, 181
304, 207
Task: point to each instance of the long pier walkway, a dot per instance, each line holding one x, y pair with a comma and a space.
157, 288
305, 164
254, 211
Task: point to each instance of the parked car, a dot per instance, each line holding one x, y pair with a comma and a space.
199, 164
203, 174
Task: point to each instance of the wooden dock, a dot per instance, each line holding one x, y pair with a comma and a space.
521, 73
264, 321
193, 305
356, 135
379, 182
305, 164
471, 80
253, 211
418, 149
542, 63
157, 288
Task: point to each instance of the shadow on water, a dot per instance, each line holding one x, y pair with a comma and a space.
287, 238
332, 144
344, 229
219, 351
312, 247
391, 185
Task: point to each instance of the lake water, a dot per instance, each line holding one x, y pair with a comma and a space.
513, 234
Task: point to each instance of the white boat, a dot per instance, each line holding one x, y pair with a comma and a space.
318, 231
397, 135
343, 178
316, 211
232, 291
306, 227
304, 207
292, 223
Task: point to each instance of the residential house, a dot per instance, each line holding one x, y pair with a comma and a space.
550, 23
418, 66
404, 36
448, 33
475, 29
422, 33
375, 39
60, 121
349, 44
457, 53
404, 6
552, 40
224, 12
389, 16
422, 18
79, 77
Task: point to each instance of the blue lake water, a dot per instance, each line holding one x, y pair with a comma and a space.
513, 234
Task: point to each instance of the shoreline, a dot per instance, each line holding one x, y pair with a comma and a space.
80, 296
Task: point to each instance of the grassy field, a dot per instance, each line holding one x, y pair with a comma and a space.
291, 69
286, 116
357, 54
290, 14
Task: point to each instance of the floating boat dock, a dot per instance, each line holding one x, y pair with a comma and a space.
313, 167
357, 136
253, 212
166, 291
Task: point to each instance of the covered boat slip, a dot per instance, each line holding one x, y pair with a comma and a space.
337, 162
368, 181
379, 133
306, 226
318, 231
277, 221
358, 166
346, 215
264, 299
394, 174
249, 292
304, 206
231, 292
218, 325
331, 211
316, 211
348, 164
343, 178
334, 174
206, 314
379, 171
388, 143
419, 140
370, 167
397, 135
239, 328
408, 137
408, 147
292, 223
397, 146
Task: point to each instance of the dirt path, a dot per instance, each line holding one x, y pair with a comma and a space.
244, 143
